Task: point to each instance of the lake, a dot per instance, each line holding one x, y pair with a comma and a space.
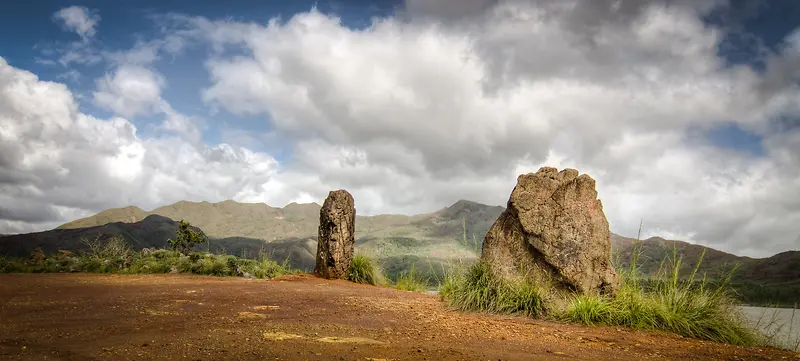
778, 322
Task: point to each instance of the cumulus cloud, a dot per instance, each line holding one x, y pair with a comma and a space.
57, 163
447, 103
130, 90
78, 19
440, 103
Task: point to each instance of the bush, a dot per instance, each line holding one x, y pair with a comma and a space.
113, 248
362, 271
5, 265
687, 307
410, 281
480, 289
186, 238
115, 256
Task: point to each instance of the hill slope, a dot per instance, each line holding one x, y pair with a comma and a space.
429, 241
151, 231
260, 221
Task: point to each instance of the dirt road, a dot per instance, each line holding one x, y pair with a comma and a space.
187, 317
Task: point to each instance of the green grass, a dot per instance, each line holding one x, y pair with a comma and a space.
114, 256
411, 281
480, 289
362, 270
688, 307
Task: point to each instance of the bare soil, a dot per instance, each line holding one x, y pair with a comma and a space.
189, 317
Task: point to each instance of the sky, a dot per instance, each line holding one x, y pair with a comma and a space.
685, 112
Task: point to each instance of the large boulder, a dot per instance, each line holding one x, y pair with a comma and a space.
336, 241
554, 230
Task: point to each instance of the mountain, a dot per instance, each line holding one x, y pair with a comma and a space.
151, 231
129, 214
771, 281
223, 219
259, 221
429, 241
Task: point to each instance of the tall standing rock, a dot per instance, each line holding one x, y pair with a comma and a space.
554, 226
336, 239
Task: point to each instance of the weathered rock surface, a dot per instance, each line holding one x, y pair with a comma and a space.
554, 227
336, 240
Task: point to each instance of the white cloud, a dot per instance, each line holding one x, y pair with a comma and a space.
72, 75
78, 19
131, 90
57, 163
438, 104
411, 115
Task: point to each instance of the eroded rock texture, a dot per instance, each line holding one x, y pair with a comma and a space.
336, 239
554, 228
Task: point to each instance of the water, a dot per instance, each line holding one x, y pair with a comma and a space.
778, 322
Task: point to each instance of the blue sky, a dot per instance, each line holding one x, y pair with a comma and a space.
123, 23
685, 112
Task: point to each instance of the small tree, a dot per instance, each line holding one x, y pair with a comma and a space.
186, 238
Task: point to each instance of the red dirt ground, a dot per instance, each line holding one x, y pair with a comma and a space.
189, 317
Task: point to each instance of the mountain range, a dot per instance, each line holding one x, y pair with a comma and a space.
430, 241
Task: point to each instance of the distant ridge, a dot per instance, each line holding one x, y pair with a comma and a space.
397, 240
151, 231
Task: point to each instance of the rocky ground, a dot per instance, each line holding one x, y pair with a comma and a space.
186, 317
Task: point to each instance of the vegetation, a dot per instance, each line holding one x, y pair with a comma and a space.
411, 281
784, 294
689, 307
362, 270
427, 241
480, 289
186, 238
116, 256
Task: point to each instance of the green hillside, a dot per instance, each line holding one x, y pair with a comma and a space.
430, 242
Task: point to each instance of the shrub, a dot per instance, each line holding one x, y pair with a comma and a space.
5, 265
362, 270
687, 307
115, 256
410, 281
186, 238
480, 289
113, 248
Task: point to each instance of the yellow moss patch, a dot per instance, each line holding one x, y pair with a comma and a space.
362, 340
246, 314
268, 307
280, 336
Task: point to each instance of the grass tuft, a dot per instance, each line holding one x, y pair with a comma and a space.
685, 306
410, 281
362, 270
480, 289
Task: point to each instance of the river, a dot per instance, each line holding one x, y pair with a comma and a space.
783, 323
